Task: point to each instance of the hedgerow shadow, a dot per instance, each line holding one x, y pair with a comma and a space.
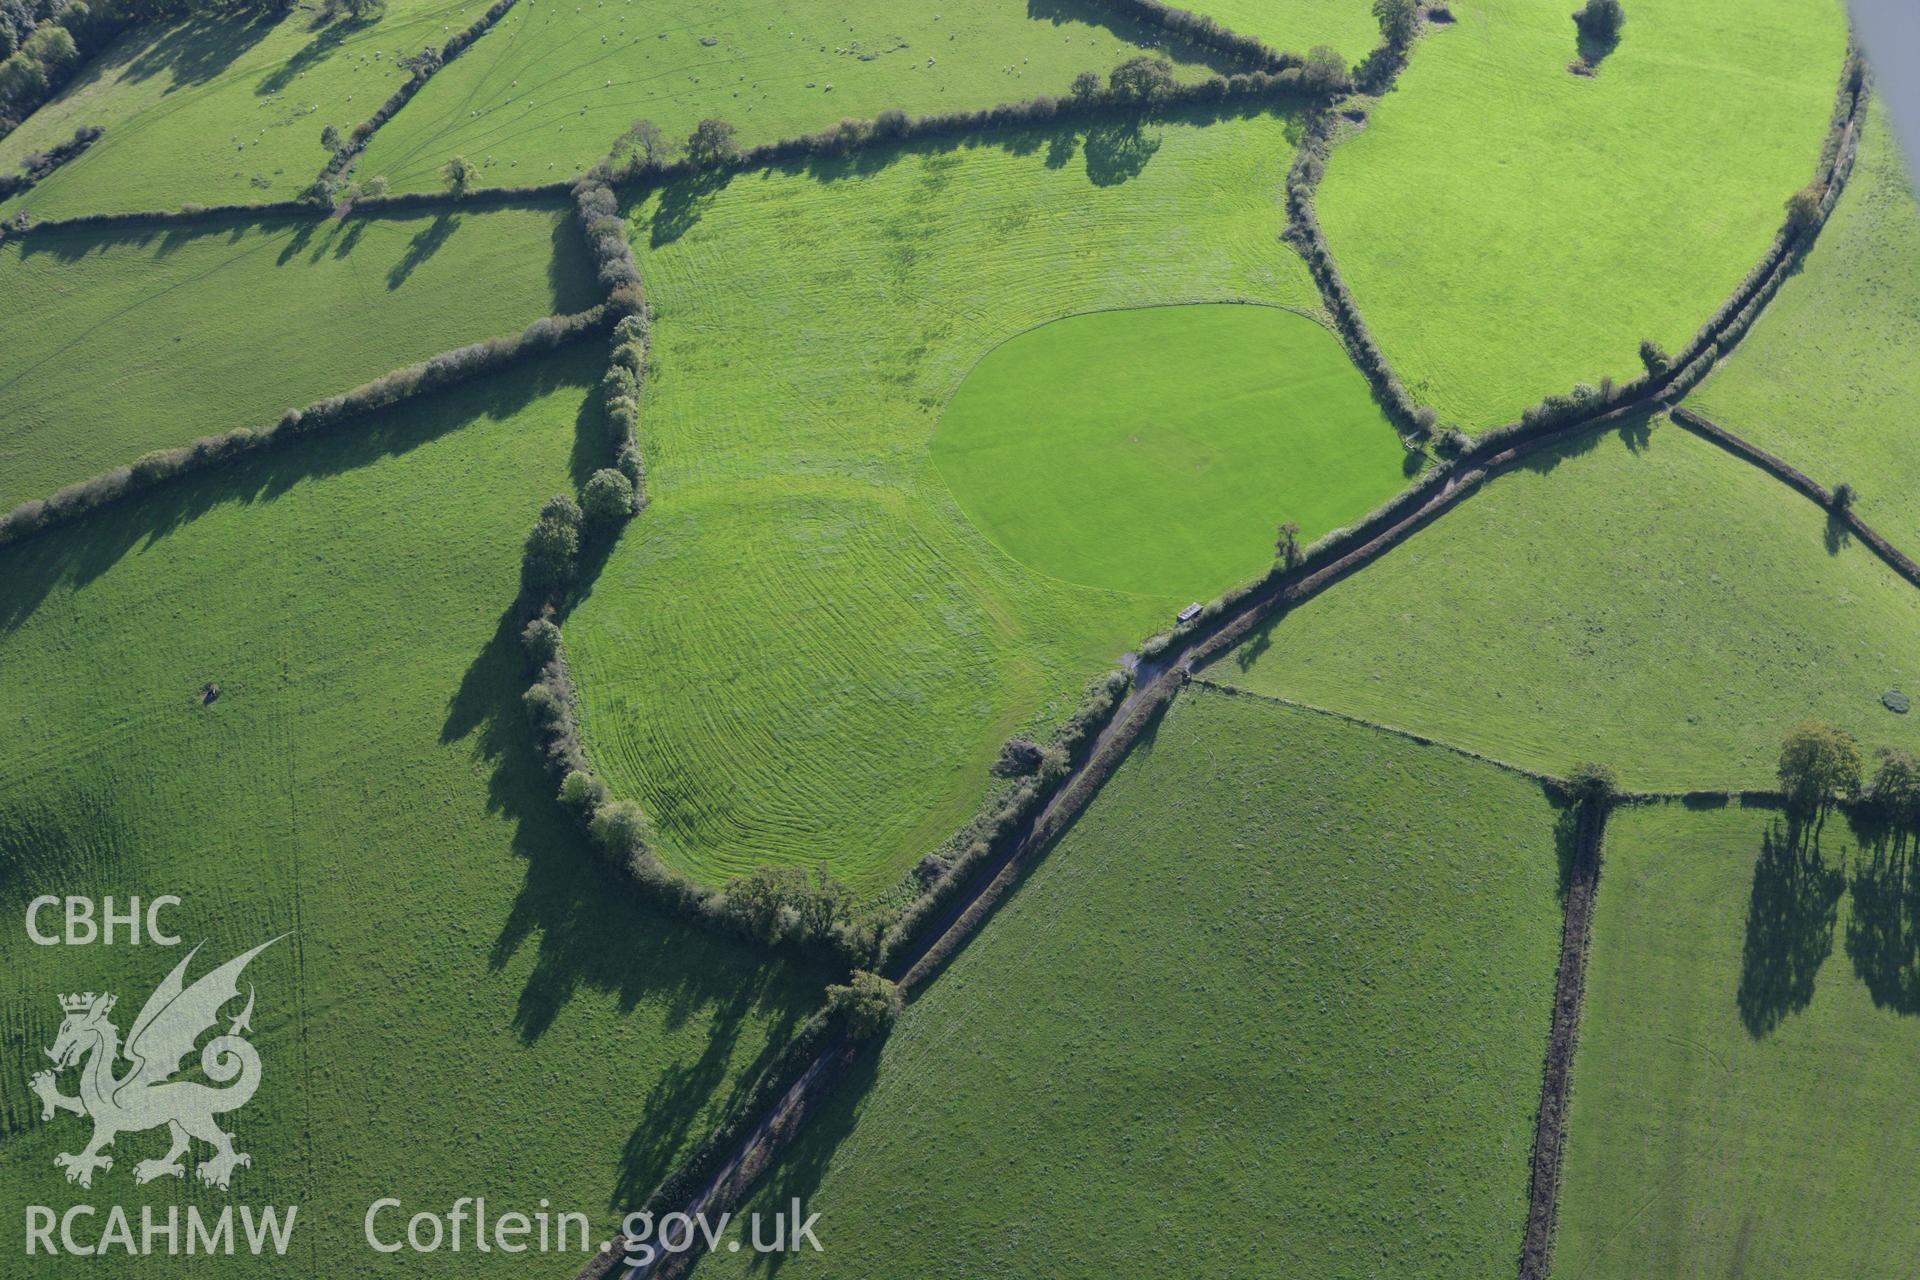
1792, 910
1142, 35
78, 553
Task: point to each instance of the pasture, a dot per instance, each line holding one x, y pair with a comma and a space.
447, 1016
1640, 598
1509, 228
1745, 1057
1347, 25
1827, 378
224, 109
553, 84
126, 340
803, 651
1282, 991
1145, 449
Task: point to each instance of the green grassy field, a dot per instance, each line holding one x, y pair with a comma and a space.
1827, 379
124, 341
1282, 992
1510, 229
1143, 450
1739, 1093
803, 651
467, 1004
548, 90
1646, 600
1347, 25
222, 109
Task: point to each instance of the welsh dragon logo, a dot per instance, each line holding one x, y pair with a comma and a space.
147, 1097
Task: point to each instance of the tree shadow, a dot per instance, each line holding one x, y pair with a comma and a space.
1883, 925
1791, 914
424, 245
195, 52
1142, 35
1635, 433
332, 36
80, 552
1838, 535
1117, 150
684, 203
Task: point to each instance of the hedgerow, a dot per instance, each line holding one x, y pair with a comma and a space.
159, 467
36, 165
423, 65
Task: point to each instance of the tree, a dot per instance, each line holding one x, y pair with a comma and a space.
606, 499
1138, 79
1325, 71
1895, 789
1601, 19
376, 186
330, 137
868, 1002
1398, 19
622, 829
1086, 85
1589, 782
1654, 357
712, 142
1286, 546
1803, 208
459, 175
1819, 763
582, 792
647, 142
547, 563
1843, 495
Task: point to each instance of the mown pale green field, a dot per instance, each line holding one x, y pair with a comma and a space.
1298, 25
1144, 449
1827, 378
548, 90
803, 652
124, 341
224, 109
1283, 992
1743, 1079
467, 1003
1645, 600
1510, 229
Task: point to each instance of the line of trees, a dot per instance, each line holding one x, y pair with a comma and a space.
160, 466
43, 43
1821, 765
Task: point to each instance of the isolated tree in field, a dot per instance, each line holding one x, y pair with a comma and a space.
1138, 79
1086, 85
1819, 763
1803, 208
868, 1002
459, 175
1601, 19
1654, 357
607, 499
330, 138
1398, 19
712, 142
1286, 545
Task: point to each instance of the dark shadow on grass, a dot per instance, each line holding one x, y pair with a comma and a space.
1837, 536
428, 241
198, 51
1791, 914
1148, 36
1635, 434
1883, 926
78, 553
331, 36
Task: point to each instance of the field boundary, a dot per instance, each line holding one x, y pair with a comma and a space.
1797, 480
36, 166
162, 466
1550, 1132
357, 140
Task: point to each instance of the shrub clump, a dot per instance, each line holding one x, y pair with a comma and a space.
868, 1004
